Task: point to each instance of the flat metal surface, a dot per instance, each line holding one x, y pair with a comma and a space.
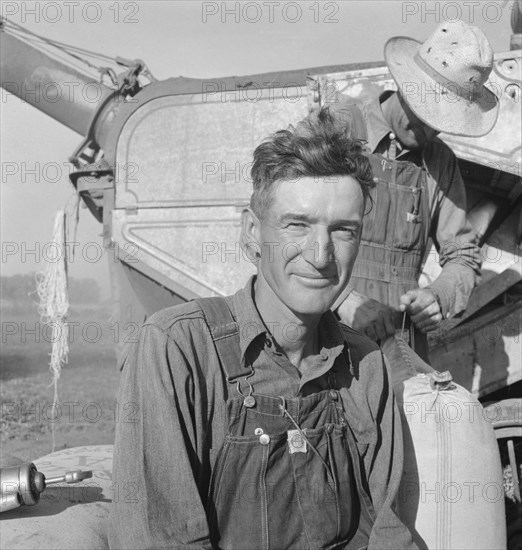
190, 150
483, 354
198, 248
45, 83
183, 176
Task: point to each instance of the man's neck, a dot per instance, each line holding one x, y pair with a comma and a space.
297, 336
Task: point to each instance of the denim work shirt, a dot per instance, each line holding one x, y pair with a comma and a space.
173, 381
449, 228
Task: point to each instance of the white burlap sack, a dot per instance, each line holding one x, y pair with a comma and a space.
451, 494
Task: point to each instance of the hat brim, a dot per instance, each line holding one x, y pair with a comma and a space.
436, 105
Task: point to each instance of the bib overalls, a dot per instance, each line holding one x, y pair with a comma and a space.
288, 475
395, 230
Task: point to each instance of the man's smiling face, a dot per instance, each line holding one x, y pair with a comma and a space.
309, 240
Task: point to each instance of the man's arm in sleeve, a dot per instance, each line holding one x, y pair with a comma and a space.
156, 500
385, 469
455, 239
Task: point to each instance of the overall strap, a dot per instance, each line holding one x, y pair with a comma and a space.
225, 335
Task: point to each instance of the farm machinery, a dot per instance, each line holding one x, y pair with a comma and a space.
164, 168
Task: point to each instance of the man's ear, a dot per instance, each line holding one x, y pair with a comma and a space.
250, 235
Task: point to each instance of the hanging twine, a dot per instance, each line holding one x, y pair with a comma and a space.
51, 286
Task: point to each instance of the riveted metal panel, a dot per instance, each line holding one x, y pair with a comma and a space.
183, 176
196, 149
197, 249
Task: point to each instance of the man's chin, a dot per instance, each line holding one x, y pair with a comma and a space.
311, 308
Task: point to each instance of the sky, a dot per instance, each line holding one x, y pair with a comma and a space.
192, 39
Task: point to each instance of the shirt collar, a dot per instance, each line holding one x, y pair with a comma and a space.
251, 326
377, 127
330, 333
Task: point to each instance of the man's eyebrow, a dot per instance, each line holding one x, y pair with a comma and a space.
347, 223
297, 216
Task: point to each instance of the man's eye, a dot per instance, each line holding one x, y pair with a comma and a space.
296, 225
347, 231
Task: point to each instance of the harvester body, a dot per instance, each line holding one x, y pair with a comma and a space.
165, 167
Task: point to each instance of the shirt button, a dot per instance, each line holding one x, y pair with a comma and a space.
334, 395
268, 343
324, 356
392, 135
264, 439
258, 431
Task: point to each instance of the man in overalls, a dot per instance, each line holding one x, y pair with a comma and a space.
419, 191
263, 423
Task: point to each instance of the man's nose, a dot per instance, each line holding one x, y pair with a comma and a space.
321, 252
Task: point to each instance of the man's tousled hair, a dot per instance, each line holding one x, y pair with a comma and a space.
316, 147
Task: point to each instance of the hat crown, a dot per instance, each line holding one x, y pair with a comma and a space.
460, 53
442, 80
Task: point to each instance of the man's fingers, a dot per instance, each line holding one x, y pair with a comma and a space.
420, 304
416, 301
381, 328
425, 314
406, 300
430, 323
423, 308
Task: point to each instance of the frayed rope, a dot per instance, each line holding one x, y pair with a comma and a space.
51, 285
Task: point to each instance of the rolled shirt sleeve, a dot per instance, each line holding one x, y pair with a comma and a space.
454, 238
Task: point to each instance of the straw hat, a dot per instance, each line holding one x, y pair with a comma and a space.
443, 79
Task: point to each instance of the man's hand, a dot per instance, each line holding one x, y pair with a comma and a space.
423, 308
367, 316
